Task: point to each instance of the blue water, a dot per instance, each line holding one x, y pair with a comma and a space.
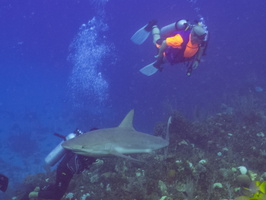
71, 64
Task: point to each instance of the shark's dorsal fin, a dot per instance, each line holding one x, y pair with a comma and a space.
128, 120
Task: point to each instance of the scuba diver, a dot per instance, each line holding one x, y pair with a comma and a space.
70, 164
3, 182
179, 42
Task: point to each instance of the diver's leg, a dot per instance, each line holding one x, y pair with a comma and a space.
155, 34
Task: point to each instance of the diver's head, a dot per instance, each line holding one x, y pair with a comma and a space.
198, 34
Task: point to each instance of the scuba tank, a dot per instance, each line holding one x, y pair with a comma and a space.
58, 152
179, 25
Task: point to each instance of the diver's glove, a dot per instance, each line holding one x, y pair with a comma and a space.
195, 64
150, 24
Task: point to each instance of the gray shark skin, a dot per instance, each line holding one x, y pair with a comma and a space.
116, 141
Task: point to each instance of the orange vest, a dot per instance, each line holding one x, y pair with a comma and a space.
176, 42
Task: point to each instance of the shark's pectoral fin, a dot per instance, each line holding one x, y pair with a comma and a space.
124, 156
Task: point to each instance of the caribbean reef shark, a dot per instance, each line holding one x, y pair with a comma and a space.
116, 141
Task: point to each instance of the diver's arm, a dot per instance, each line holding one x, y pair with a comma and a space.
198, 57
161, 50
200, 53
160, 56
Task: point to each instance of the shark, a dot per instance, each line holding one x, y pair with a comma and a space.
120, 141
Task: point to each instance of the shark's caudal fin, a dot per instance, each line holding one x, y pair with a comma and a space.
167, 135
128, 120
167, 129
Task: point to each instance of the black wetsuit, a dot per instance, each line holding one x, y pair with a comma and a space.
71, 164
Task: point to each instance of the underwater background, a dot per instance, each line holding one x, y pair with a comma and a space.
70, 64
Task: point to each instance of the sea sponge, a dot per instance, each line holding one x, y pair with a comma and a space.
171, 173
243, 180
243, 169
217, 185
252, 175
171, 176
242, 198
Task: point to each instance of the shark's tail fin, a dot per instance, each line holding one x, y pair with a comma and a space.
167, 129
167, 135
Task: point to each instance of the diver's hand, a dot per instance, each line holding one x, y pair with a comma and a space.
195, 64
159, 57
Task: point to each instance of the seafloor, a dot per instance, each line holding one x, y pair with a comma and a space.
201, 161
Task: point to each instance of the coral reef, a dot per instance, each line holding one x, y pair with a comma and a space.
201, 163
